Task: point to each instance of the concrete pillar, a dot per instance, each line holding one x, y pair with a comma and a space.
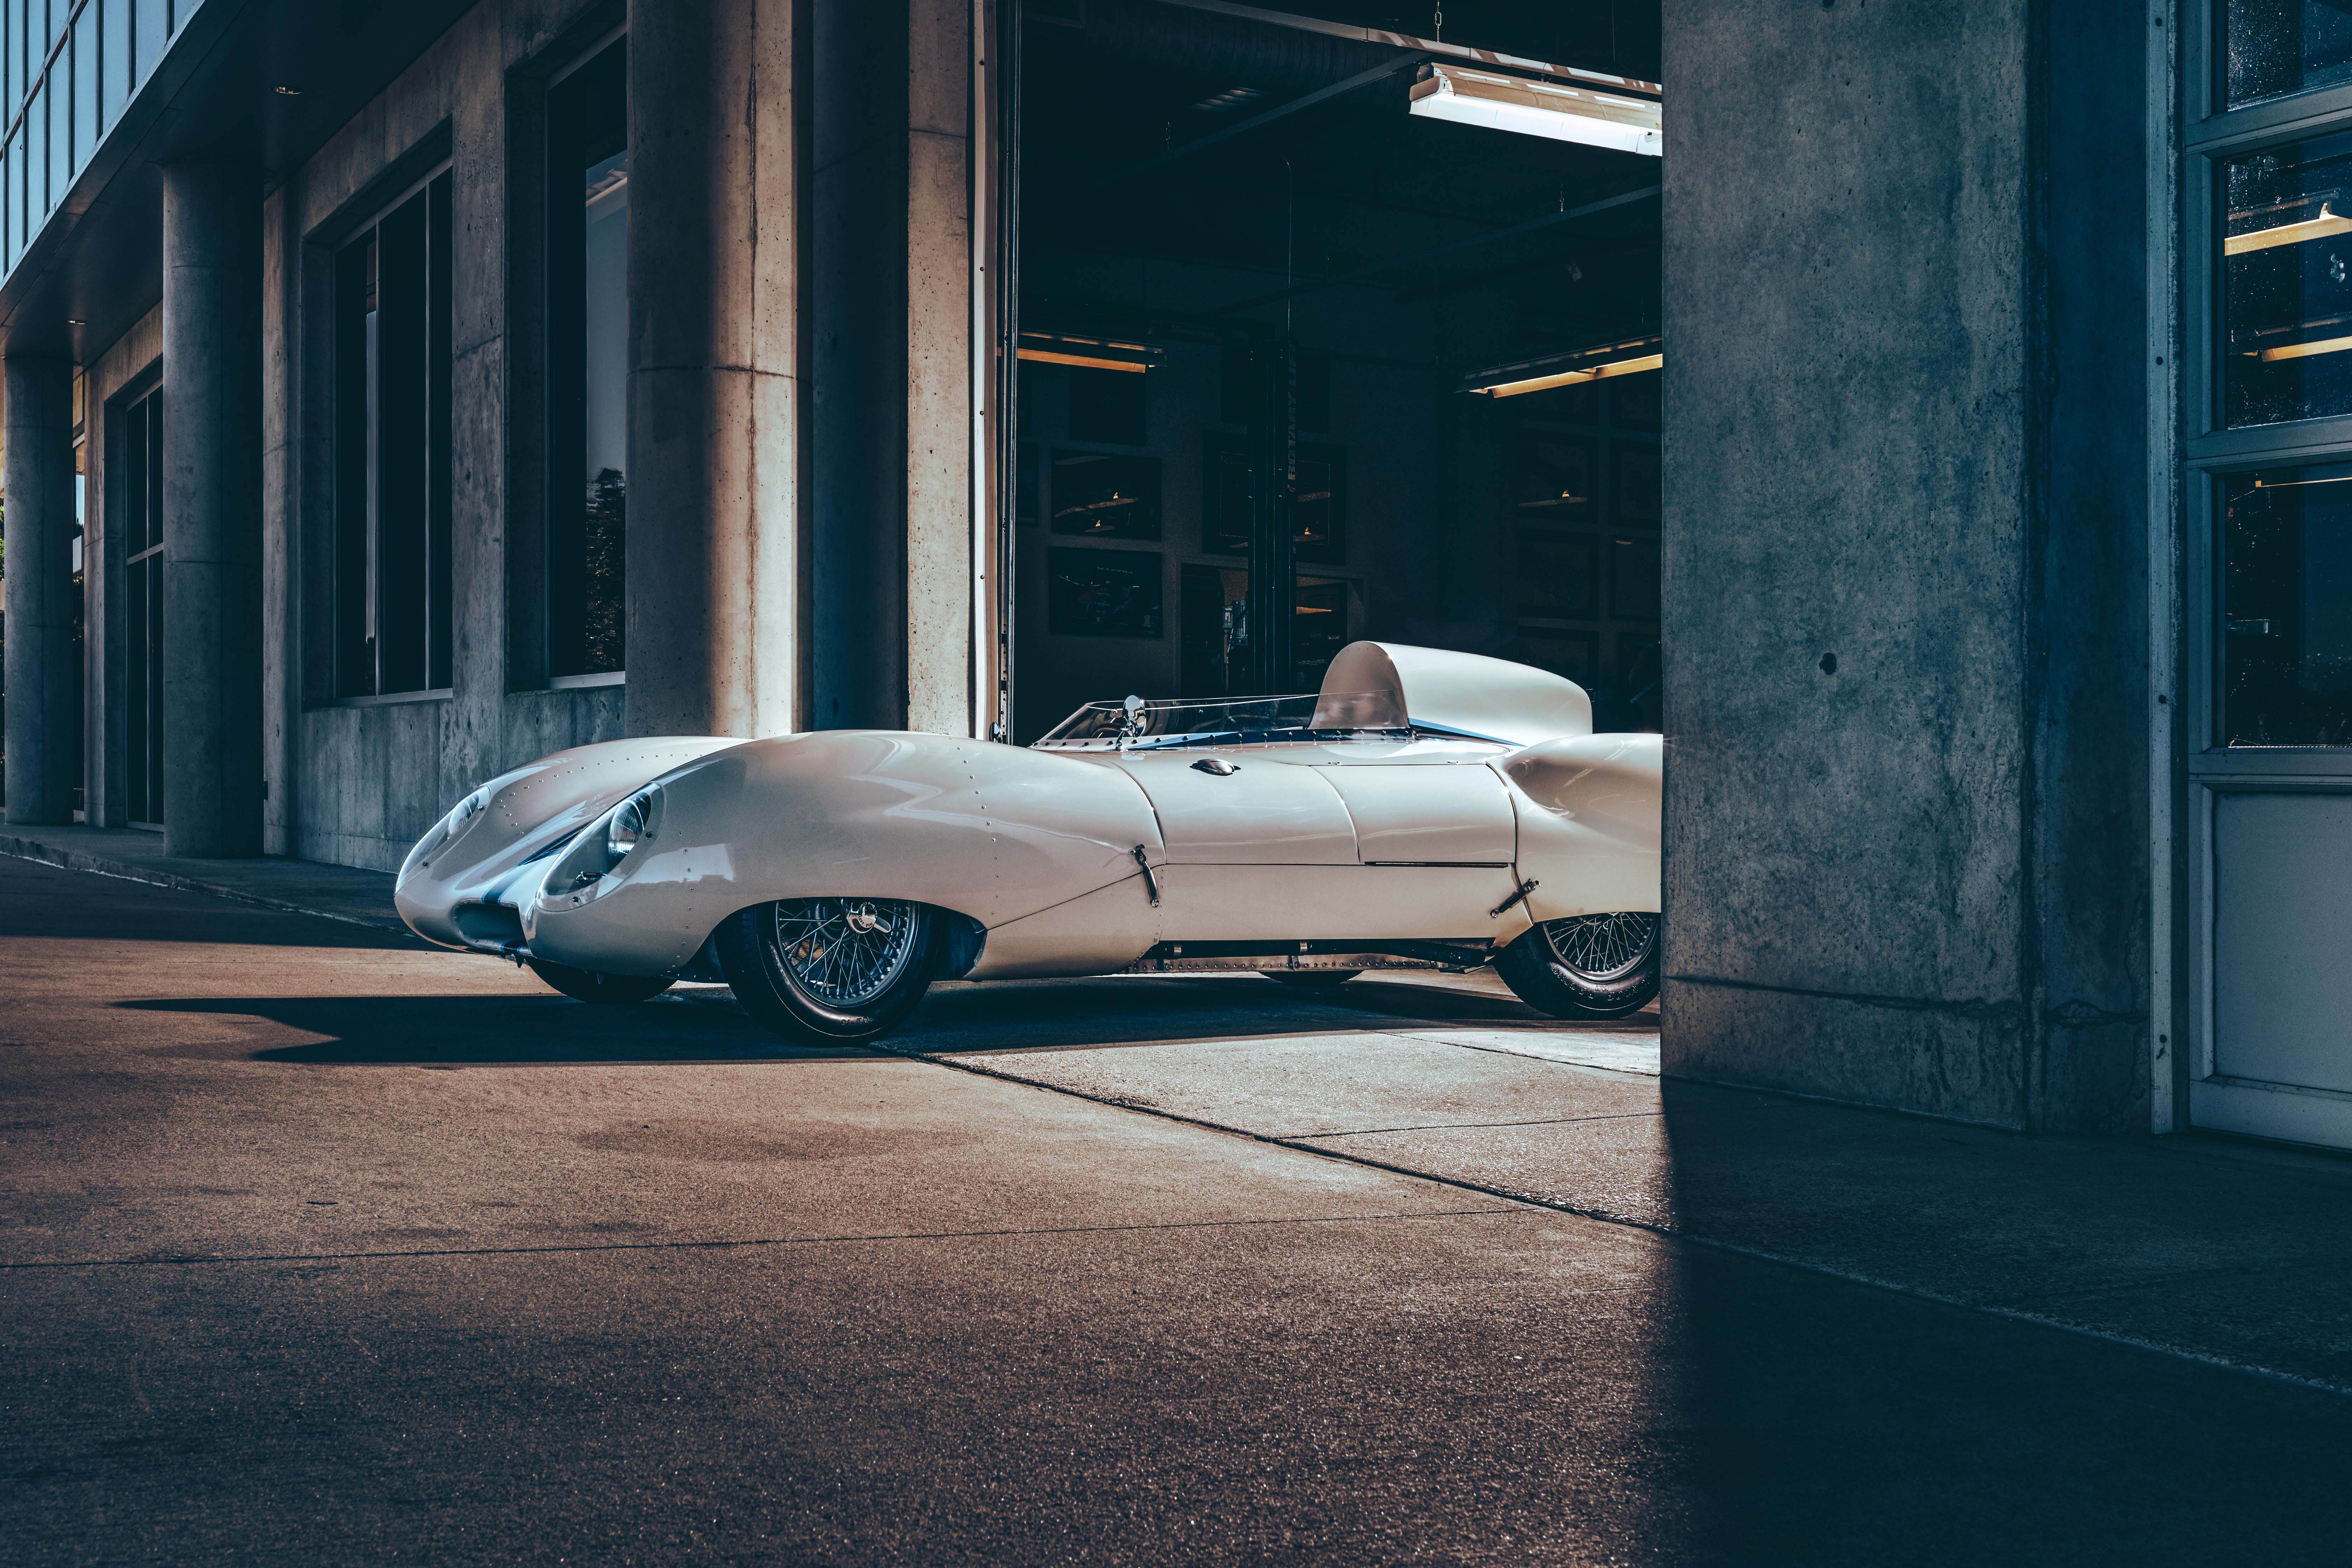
212, 509
940, 434
1905, 519
892, 431
39, 483
714, 547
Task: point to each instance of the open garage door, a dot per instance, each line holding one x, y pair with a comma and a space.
1333, 325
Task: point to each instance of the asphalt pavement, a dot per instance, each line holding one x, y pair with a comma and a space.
319, 1246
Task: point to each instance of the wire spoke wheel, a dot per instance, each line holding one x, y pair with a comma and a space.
1601, 949
844, 952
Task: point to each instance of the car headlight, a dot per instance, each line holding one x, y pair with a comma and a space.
464, 812
596, 855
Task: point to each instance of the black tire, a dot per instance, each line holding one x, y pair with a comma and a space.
774, 957
587, 985
1311, 977
1587, 966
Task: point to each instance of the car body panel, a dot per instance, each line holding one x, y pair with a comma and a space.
1457, 832
1407, 813
460, 887
1268, 812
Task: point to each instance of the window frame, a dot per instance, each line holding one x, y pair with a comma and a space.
364, 228
554, 184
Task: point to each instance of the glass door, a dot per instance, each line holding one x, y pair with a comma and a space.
2266, 663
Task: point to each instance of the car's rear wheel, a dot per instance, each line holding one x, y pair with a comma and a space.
588, 985
1586, 966
1311, 977
822, 971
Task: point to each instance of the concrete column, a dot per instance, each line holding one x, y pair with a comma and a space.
939, 548
892, 432
39, 456
1906, 695
713, 545
212, 509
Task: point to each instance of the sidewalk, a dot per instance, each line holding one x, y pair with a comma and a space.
337, 892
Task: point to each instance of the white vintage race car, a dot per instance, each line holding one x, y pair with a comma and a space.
1425, 809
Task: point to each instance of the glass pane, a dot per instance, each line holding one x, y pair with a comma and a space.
2286, 263
85, 72
59, 91
12, 71
2274, 47
37, 170
148, 33
588, 313
115, 63
2286, 608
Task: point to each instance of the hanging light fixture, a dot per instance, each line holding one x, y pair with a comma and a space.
1091, 354
1600, 362
1535, 107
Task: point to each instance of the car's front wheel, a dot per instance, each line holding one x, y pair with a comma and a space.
589, 985
1586, 966
824, 972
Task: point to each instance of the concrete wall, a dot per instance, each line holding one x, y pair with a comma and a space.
1906, 693
369, 776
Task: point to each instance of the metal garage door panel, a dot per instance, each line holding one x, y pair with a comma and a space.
1449, 814
1266, 813
2282, 932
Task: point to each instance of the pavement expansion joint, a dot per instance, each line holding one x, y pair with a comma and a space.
1511, 1206
1479, 1126
1672, 1233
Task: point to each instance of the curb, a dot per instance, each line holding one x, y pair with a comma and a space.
98, 865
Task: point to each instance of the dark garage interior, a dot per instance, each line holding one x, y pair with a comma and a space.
1264, 306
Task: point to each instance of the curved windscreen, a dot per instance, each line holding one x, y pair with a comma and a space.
1104, 726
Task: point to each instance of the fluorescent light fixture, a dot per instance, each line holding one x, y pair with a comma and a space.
2303, 350
1538, 108
1090, 353
1566, 370
2323, 226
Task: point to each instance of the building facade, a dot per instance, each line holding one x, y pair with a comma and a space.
395, 395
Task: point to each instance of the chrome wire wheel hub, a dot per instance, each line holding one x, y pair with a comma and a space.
844, 952
1600, 950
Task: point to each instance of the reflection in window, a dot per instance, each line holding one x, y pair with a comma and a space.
2287, 266
2286, 606
2274, 47
588, 366
393, 450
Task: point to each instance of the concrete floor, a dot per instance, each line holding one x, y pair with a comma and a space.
322, 1246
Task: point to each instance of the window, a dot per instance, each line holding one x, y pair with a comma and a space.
392, 450
588, 365
143, 545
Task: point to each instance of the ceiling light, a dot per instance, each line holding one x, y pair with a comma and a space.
2320, 228
2302, 350
1594, 363
1091, 354
1538, 108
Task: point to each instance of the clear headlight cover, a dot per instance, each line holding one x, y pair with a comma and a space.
596, 853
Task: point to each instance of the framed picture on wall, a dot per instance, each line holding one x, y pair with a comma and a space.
1640, 498
1552, 477
1103, 593
1559, 575
1563, 653
1319, 507
1225, 494
1103, 495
